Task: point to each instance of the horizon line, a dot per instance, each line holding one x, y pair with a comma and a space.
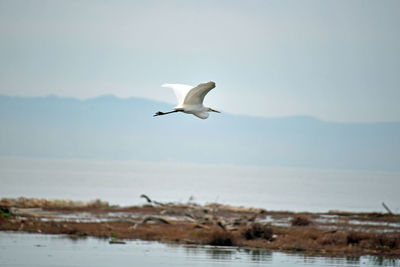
82, 99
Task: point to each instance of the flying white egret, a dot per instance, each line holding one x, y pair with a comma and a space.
190, 99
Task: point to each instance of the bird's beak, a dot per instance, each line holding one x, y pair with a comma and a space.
215, 110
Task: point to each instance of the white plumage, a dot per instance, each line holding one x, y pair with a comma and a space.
190, 99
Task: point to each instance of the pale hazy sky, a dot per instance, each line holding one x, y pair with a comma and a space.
335, 60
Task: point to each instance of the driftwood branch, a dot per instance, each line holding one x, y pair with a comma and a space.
387, 208
155, 219
146, 197
151, 201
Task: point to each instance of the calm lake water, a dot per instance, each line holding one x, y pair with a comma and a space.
18, 249
122, 182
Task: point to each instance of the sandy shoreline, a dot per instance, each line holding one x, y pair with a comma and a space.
334, 233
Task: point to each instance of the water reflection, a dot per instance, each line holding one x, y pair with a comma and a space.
219, 254
381, 261
215, 254
73, 238
46, 250
266, 257
352, 260
259, 255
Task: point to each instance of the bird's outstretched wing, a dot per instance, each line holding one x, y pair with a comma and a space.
180, 91
196, 95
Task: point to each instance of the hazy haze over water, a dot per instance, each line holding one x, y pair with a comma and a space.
122, 182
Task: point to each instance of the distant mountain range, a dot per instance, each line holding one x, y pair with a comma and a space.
108, 127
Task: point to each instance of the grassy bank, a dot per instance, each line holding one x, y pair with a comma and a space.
333, 233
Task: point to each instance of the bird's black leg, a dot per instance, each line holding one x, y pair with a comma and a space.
164, 113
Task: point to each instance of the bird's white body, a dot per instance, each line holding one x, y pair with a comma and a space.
190, 99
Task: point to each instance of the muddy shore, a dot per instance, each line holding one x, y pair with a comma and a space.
333, 233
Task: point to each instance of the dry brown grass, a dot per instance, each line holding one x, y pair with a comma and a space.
386, 241
221, 238
258, 230
333, 239
354, 237
23, 202
300, 220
